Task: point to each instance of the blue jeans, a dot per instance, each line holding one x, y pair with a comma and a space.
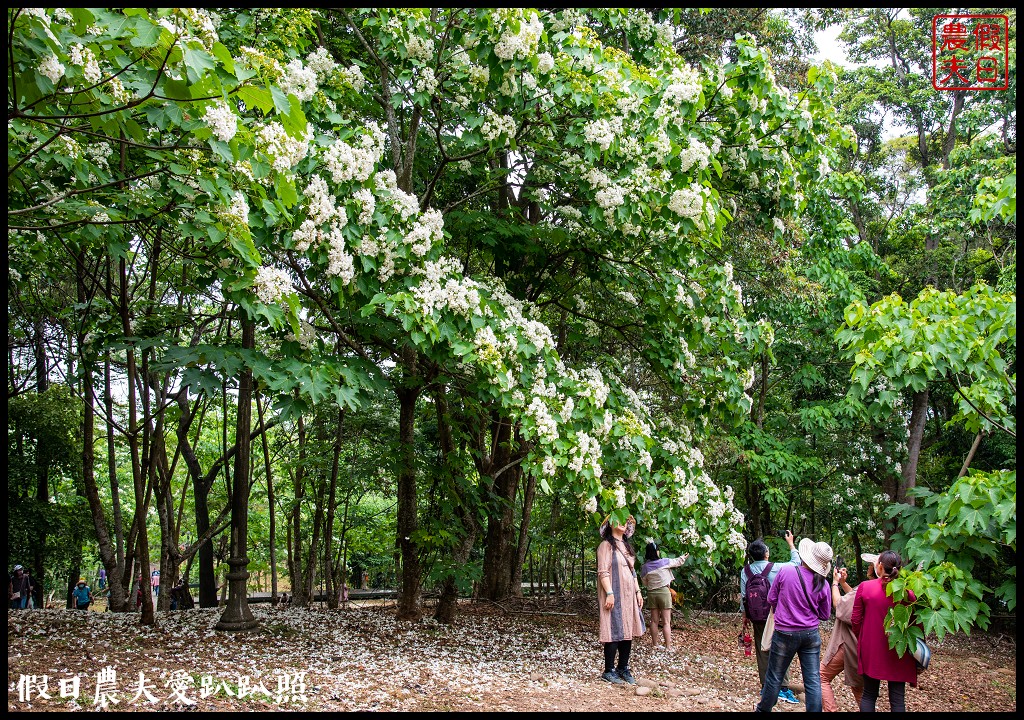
806, 644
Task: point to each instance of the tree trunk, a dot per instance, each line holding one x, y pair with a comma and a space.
970, 455
918, 419
299, 598
42, 467
447, 603
237, 616
270, 502
116, 573
328, 570
524, 534
505, 474
410, 599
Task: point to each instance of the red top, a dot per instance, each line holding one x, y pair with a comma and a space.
875, 658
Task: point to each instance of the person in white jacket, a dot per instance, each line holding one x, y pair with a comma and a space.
657, 577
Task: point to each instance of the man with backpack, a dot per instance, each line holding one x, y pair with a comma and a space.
755, 580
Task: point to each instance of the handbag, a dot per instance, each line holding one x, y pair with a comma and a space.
769, 630
922, 654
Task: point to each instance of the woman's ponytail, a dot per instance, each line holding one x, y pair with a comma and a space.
891, 564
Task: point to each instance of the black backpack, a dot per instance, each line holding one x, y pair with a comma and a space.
755, 601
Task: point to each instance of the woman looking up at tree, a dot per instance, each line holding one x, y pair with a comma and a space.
876, 661
657, 575
618, 599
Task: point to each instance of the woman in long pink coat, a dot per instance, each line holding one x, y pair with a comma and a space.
876, 661
618, 599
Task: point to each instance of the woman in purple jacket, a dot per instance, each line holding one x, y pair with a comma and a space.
800, 599
876, 661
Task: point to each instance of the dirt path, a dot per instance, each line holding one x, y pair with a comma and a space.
362, 659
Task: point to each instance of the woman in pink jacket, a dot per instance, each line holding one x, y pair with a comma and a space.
876, 661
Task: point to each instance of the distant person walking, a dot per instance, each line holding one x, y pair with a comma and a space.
82, 595
618, 600
19, 588
876, 660
657, 575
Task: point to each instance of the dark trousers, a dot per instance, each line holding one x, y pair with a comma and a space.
897, 694
623, 647
762, 655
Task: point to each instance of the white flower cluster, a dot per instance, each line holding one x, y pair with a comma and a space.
595, 387
221, 120
367, 202
688, 536
239, 209
426, 82
443, 288
610, 198
547, 427
356, 162
52, 68
591, 505
602, 132
695, 153
352, 75
587, 451
688, 202
272, 284
479, 75
708, 543
716, 509
548, 467
545, 63
428, 229
495, 126
521, 44
766, 331
85, 58
736, 540
284, 151
120, 94
322, 64
686, 495
340, 262
421, 49
684, 86
683, 295
619, 493
299, 80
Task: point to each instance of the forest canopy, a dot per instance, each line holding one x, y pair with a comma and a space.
317, 299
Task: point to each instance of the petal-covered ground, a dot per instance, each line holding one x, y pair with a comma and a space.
363, 659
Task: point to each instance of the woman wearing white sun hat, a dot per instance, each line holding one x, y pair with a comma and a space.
800, 599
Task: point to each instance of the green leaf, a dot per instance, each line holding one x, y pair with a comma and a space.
256, 97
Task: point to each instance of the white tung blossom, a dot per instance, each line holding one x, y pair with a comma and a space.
272, 285
299, 80
688, 202
51, 68
521, 44
222, 121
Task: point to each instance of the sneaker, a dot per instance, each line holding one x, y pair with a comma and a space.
627, 676
612, 677
788, 696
